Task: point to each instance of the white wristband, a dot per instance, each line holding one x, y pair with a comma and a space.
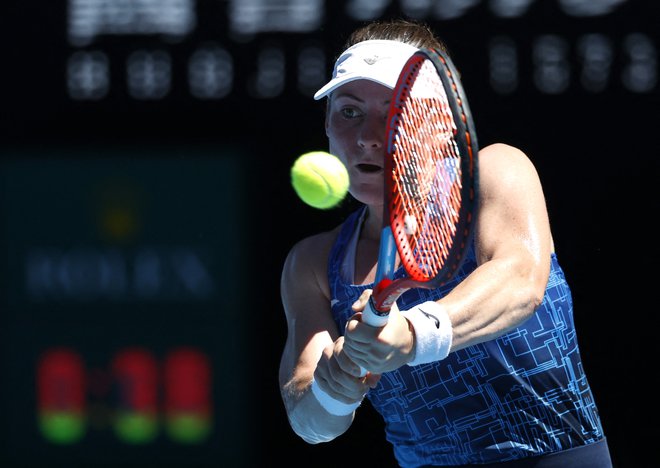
433, 332
331, 405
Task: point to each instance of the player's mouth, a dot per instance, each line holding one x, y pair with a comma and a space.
368, 168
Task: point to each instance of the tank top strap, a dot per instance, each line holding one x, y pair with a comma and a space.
341, 263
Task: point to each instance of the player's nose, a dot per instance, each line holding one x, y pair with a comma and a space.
372, 133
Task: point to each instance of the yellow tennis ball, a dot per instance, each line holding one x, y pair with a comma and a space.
320, 179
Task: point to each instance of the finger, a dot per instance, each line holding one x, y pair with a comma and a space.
350, 355
352, 322
347, 364
355, 361
361, 302
357, 332
346, 387
341, 368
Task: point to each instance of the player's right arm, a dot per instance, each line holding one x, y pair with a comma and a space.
313, 345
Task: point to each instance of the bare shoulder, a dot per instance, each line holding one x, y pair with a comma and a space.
314, 248
307, 261
512, 209
500, 156
502, 165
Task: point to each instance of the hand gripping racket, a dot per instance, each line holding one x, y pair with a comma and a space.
431, 182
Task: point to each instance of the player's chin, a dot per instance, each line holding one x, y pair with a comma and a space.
369, 194
367, 176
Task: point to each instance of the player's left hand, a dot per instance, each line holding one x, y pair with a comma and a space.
381, 349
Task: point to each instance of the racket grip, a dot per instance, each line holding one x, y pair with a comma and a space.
372, 317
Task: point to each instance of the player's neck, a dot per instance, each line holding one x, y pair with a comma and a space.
372, 225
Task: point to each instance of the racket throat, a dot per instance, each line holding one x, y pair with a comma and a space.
385, 294
379, 310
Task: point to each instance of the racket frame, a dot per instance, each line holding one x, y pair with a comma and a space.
387, 289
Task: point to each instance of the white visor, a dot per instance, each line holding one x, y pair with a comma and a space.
376, 60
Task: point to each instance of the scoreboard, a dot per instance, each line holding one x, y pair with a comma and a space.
144, 155
121, 276
146, 63
210, 66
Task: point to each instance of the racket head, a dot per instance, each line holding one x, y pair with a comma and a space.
431, 173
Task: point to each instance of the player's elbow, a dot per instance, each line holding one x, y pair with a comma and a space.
533, 298
529, 288
534, 291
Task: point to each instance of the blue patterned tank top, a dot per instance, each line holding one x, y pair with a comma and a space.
520, 395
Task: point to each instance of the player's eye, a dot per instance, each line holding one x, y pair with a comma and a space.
350, 112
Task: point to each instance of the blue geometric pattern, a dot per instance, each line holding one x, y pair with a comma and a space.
522, 394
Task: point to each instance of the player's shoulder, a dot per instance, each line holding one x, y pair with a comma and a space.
501, 153
507, 176
504, 162
315, 243
312, 252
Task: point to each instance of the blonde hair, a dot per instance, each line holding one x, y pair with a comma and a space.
410, 32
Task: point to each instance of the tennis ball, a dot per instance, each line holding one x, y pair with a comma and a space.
410, 225
320, 179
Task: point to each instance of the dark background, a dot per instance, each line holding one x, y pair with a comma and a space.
207, 178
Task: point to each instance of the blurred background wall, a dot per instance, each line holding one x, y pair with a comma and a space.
146, 210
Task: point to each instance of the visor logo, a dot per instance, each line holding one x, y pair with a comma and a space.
371, 60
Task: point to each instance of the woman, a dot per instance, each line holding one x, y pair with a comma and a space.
485, 370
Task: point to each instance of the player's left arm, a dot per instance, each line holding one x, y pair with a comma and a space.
513, 244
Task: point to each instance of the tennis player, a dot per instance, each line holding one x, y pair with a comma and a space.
484, 371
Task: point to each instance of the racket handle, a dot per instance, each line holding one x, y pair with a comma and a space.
372, 318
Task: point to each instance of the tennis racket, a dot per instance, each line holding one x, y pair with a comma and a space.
431, 182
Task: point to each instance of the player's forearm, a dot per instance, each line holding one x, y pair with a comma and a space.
495, 298
309, 420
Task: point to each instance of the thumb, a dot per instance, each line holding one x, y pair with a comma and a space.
361, 303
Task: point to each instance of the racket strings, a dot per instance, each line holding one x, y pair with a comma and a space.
426, 172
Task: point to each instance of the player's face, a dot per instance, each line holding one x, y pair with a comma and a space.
355, 126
